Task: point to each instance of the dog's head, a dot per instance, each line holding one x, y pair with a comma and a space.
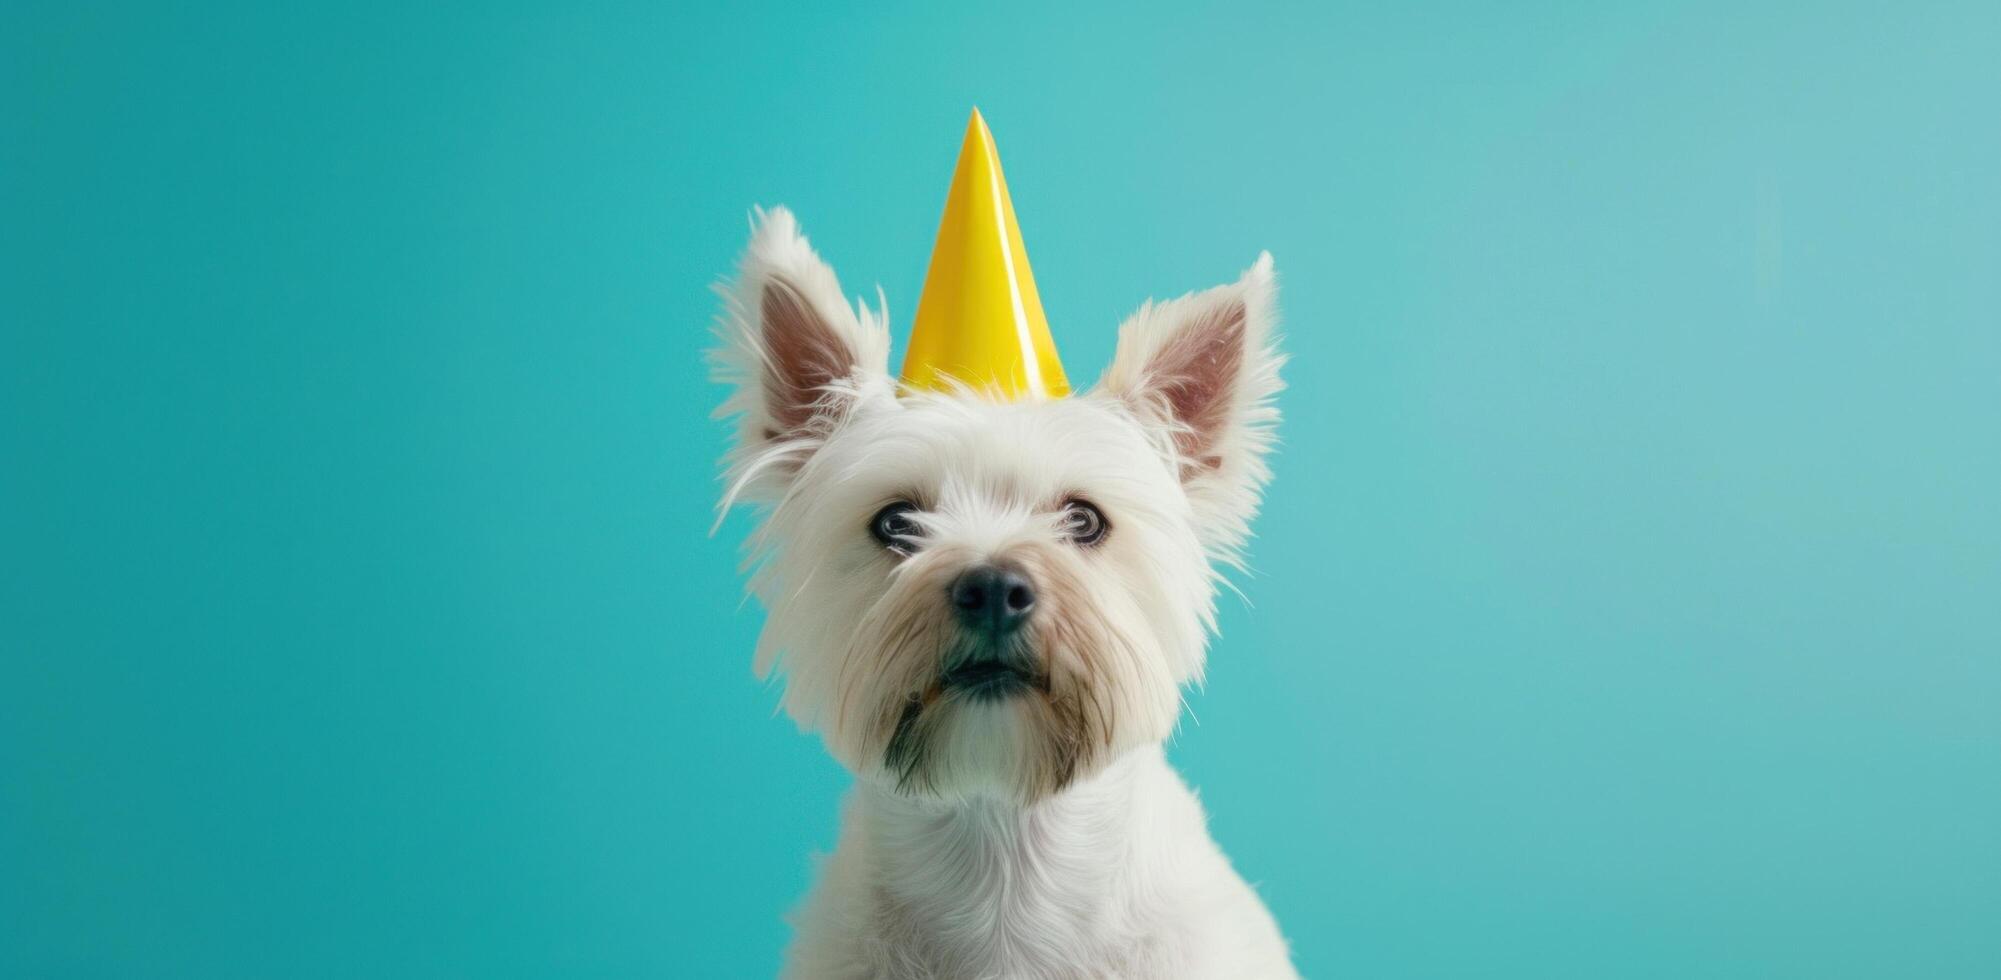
969, 596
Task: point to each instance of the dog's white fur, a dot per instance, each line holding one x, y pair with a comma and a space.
1042, 834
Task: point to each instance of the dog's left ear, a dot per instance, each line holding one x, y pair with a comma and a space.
797, 357
1203, 371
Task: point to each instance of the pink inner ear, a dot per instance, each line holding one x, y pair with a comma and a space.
803, 356
1197, 373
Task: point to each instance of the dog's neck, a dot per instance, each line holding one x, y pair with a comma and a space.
986, 882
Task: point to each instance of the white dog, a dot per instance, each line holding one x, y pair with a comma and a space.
987, 610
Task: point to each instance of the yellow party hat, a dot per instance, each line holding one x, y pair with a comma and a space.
980, 319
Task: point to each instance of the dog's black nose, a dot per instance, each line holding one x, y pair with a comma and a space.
992, 600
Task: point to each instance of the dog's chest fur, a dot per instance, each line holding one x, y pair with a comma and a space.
1115, 878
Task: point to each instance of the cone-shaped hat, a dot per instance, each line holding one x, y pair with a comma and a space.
980, 320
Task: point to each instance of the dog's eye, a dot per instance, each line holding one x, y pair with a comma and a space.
894, 528
1083, 523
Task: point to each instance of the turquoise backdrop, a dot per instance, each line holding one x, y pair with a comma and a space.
1628, 602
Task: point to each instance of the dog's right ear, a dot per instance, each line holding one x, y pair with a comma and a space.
796, 356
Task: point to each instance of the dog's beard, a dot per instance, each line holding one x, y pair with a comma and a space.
1076, 690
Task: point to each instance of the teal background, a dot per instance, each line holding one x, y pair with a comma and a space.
1628, 602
